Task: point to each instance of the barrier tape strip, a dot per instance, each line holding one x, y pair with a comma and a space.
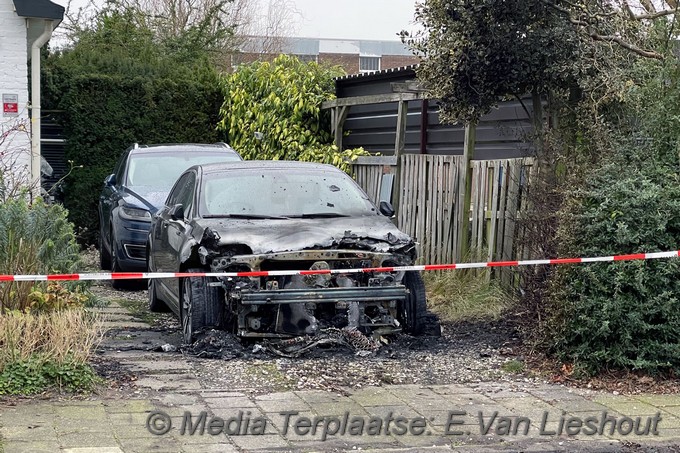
427, 267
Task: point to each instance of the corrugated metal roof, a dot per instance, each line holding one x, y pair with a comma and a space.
377, 74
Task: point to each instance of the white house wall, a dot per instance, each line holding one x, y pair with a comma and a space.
15, 144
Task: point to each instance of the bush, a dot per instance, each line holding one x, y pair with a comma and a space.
43, 350
282, 101
34, 239
621, 314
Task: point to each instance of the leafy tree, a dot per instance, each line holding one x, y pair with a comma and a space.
273, 111
608, 163
475, 53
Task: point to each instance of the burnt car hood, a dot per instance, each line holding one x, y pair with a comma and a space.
376, 233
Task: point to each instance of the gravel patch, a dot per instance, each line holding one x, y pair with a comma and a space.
465, 353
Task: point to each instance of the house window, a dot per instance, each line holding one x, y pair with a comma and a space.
308, 58
368, 64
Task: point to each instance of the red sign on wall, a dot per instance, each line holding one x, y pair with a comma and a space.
10, 105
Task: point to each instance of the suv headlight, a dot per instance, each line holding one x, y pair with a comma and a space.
139, 215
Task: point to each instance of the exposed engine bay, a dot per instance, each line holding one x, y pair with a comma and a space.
303, 305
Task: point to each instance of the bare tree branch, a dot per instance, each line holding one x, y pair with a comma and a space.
628, 46
648, 6
656, 15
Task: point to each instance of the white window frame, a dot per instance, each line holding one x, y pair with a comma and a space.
371, 58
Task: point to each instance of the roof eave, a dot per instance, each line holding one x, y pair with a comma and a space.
39, 9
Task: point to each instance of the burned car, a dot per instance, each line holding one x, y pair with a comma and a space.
280, 216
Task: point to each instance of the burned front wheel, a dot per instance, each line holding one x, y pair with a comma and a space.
415, 306
201, 305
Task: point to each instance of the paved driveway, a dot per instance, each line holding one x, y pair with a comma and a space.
169, 407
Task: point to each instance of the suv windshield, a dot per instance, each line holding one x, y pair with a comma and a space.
158, 171
286, 193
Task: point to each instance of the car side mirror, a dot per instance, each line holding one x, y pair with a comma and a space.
386, 209
177, 212
110, 180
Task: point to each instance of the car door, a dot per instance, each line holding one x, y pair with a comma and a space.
172, 233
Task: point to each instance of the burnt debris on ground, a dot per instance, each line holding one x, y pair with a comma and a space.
219, 344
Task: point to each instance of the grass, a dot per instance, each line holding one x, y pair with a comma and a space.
59, 335
513, 366
140, 310
44, 350
463, 295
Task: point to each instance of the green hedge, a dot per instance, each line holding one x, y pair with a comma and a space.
621, 314
103, 115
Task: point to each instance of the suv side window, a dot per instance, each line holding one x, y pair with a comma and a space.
120, 169
183, 193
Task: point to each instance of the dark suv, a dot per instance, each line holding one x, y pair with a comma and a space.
139, 185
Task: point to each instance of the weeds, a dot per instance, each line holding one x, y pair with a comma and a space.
42, 350
513, 366
465, 295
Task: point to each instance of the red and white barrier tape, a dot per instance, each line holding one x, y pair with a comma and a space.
427, 267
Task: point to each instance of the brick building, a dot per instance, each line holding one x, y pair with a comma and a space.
355, 56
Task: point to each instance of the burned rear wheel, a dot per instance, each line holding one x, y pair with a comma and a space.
201, 305
415, 305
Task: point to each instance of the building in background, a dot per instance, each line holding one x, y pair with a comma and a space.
355, 56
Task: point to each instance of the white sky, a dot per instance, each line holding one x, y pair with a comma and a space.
351, 19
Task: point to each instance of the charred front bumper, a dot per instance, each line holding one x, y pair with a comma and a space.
286, 306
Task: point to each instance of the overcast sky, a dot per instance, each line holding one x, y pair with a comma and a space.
352, 19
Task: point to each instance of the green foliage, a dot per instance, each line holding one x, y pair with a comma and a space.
43, 349
475, 53
34, 239
36, 375
513, 366
56, 297
623, 314
282, 101
465, 295
118, 85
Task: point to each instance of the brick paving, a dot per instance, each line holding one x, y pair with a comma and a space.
115, 425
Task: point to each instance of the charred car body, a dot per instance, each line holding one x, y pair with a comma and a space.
273, 216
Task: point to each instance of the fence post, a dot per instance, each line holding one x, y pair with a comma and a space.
465, 196
338, 121
399, 144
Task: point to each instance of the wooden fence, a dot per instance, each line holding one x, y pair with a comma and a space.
427, 194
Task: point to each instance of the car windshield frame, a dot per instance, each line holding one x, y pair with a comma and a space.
192, 157
256, 187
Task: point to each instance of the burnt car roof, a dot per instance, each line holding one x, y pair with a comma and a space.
266, 165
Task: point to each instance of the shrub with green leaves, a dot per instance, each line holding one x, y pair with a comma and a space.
620, 314
273, 111
34, 239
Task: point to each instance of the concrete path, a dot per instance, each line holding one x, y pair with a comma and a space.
175, 413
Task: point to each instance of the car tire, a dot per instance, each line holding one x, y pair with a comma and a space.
201, 305
104, 255
155, 304
115, 267
415, 305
